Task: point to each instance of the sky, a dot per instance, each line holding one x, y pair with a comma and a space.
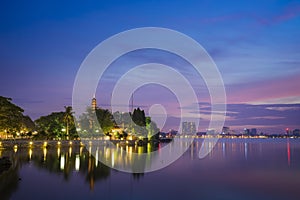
255, 45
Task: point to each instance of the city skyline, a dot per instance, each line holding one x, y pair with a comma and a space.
254, 45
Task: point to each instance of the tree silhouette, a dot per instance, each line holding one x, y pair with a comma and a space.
68, 119
12, 119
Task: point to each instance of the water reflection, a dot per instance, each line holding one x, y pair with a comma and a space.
288, 152
230, 156
246, 150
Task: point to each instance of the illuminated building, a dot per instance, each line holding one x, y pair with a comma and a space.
188, 127
225, 130
246, 131
94, 103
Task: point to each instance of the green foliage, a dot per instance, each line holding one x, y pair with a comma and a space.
153, 131
68, 120
138, 117
136, 124
88, 125
105, 119
62, 124
12, 119
140, 125
52, 126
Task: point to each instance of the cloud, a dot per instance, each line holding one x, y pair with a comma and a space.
270, 118
222, 18
288, 13
263, 91
267, 117
285, 108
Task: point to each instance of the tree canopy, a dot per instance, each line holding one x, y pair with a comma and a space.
135, 123
12, 119
58, 125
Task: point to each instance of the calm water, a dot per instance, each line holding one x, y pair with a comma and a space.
235, 169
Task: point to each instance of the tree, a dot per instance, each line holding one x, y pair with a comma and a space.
87, 121
105, 120
138, 117
27, 125
52, 126
12, 119
68, 119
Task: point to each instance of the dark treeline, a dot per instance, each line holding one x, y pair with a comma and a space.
61, 125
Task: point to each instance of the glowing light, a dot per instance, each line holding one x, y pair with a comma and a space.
106, 138
45, 153
140, 150
45, 144
15, 148
70, 151
246, 151
130, 149
90, 150
130, 153
30, 154
58, 143
62, 162
112, 159
30, 143
148, 147
58, 152
288, 152
80, 150
77, 162
107, 152
70, 143
96, 157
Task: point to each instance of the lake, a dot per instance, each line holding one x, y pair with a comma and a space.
235, 169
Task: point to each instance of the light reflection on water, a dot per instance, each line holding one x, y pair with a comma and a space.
235, 169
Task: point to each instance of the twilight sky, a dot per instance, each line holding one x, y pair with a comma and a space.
255, 44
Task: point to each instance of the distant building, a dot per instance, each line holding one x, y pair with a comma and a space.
201, 133
296, 132
210, 132
173, 132
246, 131
188, 128
253, 132
94, 103
225, 130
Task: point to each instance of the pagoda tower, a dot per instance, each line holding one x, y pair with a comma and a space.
94, 103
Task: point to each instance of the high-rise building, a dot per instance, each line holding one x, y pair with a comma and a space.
246, 131
188, 128
296, 132
225, 130
253, 132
